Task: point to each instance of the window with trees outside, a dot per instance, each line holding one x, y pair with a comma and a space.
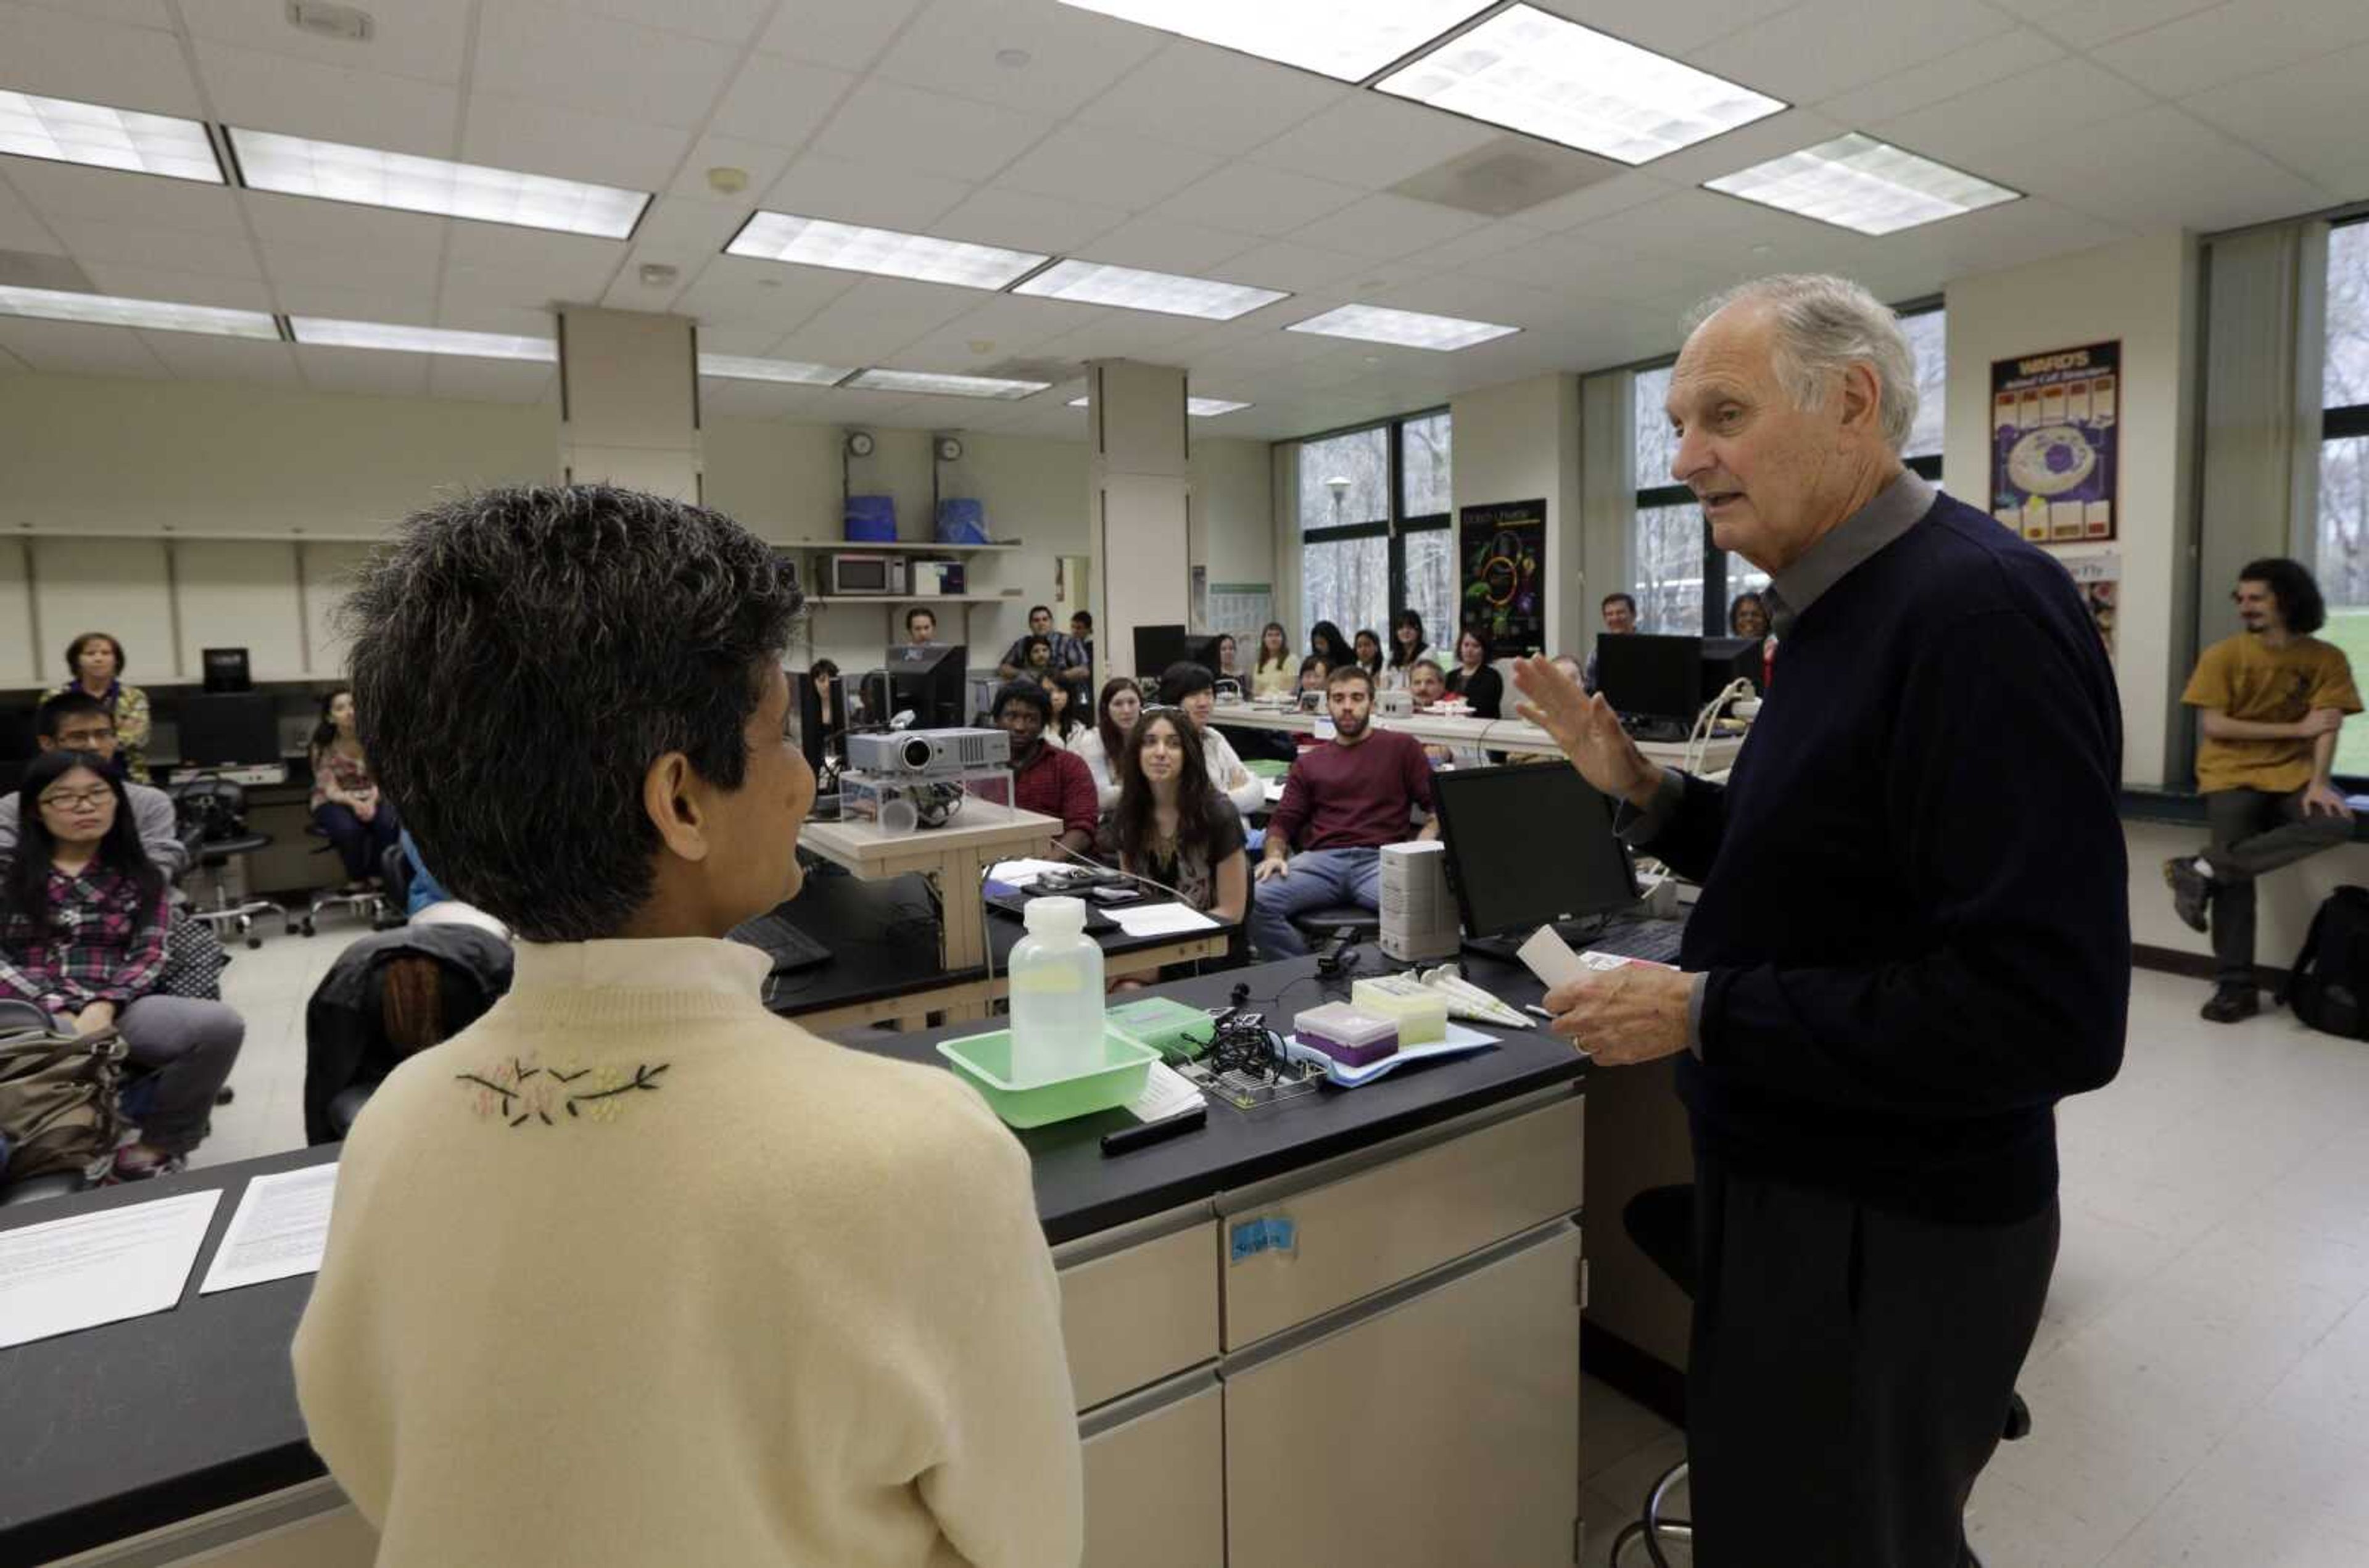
1374, 528
1683, 582
2343, 564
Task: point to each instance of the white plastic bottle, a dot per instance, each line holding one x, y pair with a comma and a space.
1057, 994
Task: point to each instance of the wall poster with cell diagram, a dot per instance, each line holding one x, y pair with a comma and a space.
1503, 548
2054, 476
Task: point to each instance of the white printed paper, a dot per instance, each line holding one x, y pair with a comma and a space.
1550, 958
1165, 1094
66, 1275
1160, 920
281, 1224
1022, 873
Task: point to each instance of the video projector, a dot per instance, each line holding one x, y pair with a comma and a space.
929, 753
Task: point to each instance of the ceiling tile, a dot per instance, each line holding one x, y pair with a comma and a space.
1008, 328
1618, 194
541, 138
398, 273
752, 339
1789, 131
675, 229
744, 291
1373, 141
1110, 168
1489, 240
1681, 221
1257, 200
488, 381
272, 92
411, 306
722, 22
1020, 220
1165, 247
2313, 117
528, 267
849, 34
194, 358
301, 224
67, 348
2171, 171
425, 39
1123, 335
131, 13
720, 398
2082, 24
57, 191
905, 128
1287, 264
1798, 55
1388, 225
545, 54
761, 163
818, 186
374, 373
88, 241
779, 102
20, 227
182, 287
2056, 100
1073, 55
1993, 59
75, 57
1670, 26
1475, 299
2240, 39
1565, 263
1176, 95
463, 314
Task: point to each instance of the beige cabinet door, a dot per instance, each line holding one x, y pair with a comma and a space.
1442, 1427
1155, 1478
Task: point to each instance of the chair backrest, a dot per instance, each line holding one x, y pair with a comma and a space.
215, 806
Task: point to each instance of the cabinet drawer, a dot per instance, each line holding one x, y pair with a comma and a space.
1133, 1317
1371, 1228
1155, 1486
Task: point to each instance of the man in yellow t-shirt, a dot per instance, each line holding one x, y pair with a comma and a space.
2270, 703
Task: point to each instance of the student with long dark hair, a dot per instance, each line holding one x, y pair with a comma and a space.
1172, 824
345, 799
1101, 747
1271, 672
83, 918
1368, 650
1483, 689
1406, 647
1066, 723
1325, 641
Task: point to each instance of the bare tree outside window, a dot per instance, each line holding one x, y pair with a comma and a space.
2343, 563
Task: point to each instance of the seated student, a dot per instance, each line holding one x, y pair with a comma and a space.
1619, 613
1067, 723
1313, 675
1344, 801
1081, 632
1483, 689
729, 1286
1406, 647
345, 799
1366, 649
1271, 675
1228, 670
920, 627
78, 722
94, 668
1192, 688
1428, 683
1100, 747
1173, 826
1325, 641
1066, 656
1046, 779
83, 915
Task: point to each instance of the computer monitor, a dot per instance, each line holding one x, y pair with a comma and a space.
1201, 648
1529, 845
225, 669
932, 682
1726, 660
1157, 648
228, 729
1649, 677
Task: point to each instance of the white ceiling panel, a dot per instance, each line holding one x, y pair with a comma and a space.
64, 56
65, 348
779, 102
1389, 226
413, 307
372, 373
2313, 117
2055, 101
1304, 268
464, 314
722, 22
1370, 141
549, 55
131, 13
2081, 24
739, 289
905, 128
1475, 299
1822, 48
225, 256
1006, 331
818, 185
138, 281
1130, 334
542, 138
676, 229
271, 92
1488, 240
1257, 200
1108, 167
849, 34
425, 39
2171, 170
1220, 102
298, 225
2240, 39
1672, 26
63, 191
1789, 131
488, 380
194, 358
1177, 248
1021, 220
20, 227
1565, 264
1684, 220
1618, 194
491, 259
1073, 55
1993, 58
752, 339
763, 165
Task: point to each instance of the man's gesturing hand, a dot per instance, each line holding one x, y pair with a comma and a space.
1638, 1012
1587, 730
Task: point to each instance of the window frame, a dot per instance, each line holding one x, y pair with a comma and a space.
1397, 524
2345, 422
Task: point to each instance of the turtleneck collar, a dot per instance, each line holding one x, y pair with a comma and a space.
646, 981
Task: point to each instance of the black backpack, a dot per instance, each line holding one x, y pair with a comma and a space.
2328, 987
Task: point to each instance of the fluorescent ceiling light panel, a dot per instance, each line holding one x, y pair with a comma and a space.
1535, 73
817, 242
1857, 182
738, 367
1346, 39
1403, 328
1131, 288
92, 133
295, 166
945, 385
161, 315
322, 332
1199, 408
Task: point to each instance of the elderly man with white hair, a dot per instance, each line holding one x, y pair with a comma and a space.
1913, 940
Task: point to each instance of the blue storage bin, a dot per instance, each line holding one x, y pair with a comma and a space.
962, 521
872, 518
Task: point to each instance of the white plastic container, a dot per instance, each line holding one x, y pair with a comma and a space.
1057, 994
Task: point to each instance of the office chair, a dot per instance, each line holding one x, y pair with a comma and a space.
370, 903
1661, 1222
218, 808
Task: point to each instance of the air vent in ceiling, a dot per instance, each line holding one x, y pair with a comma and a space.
1015, 368
29, 270
324, 18
1507, 176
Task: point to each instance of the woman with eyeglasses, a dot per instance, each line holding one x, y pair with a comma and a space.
1101, 747
83, 918
1173, 826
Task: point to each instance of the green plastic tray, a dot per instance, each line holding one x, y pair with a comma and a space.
985, 1060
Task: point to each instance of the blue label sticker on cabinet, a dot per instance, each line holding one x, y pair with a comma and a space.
1274, 1232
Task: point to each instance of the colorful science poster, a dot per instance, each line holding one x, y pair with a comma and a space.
2054, 421
1502, 549
2099, 577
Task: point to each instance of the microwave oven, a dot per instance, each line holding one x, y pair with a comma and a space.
854, 573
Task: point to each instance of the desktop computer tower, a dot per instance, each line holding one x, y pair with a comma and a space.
1417, 909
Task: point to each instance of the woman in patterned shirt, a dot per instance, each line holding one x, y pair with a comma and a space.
83, 918
95, 667
346, 802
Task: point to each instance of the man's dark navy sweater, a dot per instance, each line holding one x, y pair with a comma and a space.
1914, 915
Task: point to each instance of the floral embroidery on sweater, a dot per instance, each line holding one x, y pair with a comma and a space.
522, 1090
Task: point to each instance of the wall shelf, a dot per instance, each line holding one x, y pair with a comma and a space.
908, 545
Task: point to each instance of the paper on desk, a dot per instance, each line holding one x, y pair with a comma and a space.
1165, 1092
66, 1275
1022, 873
279, 1230
1160, 920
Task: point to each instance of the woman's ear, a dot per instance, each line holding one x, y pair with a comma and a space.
672, 795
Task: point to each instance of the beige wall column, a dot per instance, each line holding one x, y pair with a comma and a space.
1138, 491
629, 401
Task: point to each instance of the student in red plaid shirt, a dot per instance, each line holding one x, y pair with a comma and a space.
83, 918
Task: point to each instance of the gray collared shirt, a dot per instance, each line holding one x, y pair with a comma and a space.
1893, 512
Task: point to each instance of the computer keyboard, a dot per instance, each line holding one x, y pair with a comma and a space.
790, 948
1656, 941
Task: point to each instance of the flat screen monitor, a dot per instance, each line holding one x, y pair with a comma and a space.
1726, 660
932, 682
1644, 676
225, 669
1528, 845
228, 729
1157, 648
1201, 648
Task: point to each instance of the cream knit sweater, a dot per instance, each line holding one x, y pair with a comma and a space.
633, 1273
